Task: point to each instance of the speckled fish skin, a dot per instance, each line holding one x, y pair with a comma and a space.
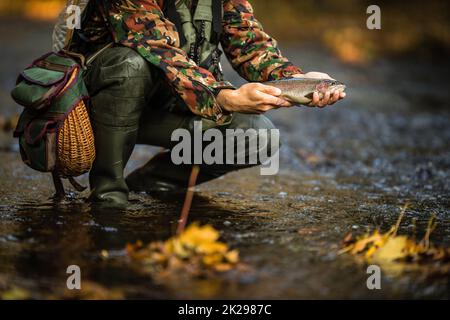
301, 90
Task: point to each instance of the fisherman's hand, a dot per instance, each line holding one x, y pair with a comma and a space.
329, 98
255, 98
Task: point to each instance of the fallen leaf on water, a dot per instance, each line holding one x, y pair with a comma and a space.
232, 256
364, 242
196, 250
394, 248
388, 248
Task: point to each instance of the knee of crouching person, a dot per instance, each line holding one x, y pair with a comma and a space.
269, 139
120, 84
262, 140
137, 66
269, 142
268, 155
125, 70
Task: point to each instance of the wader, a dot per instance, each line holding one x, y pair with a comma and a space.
133, 104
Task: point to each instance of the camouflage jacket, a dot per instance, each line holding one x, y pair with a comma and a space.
141, 25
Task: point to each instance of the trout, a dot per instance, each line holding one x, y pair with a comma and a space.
301, 90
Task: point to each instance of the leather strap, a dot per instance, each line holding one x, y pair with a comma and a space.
76, 185
217, 17
99, 52
59, 187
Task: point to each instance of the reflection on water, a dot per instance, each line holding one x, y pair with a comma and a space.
289, 240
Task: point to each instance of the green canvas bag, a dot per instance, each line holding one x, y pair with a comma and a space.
52, 138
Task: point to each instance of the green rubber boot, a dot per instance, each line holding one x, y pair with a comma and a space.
120, 83
114, 147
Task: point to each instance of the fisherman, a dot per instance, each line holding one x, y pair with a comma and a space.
163, 72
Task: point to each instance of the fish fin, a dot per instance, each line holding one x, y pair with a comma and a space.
309, 95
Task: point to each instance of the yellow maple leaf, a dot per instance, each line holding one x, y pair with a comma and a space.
394, 248
211, 247
222, 267
388, 248
178, 248
365, 241
232, 256
195, 235
212, 259
371, 251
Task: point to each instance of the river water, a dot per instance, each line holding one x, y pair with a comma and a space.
347, 168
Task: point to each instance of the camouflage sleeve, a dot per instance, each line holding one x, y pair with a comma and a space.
251, 51
140, 24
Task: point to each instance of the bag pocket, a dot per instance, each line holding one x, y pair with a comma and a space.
40, 83
38, 145
37, 87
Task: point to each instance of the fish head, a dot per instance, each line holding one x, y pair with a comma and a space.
330, 85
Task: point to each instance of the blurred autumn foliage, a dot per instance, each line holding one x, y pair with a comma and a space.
407, 27
196, 250
46, 10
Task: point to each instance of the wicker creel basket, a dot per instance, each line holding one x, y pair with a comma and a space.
75, 147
